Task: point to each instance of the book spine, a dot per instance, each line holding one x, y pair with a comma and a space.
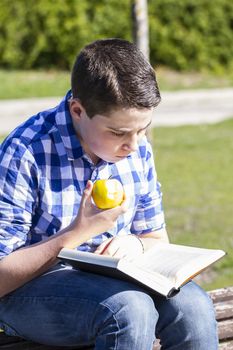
173, 292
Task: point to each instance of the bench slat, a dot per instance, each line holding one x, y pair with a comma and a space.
222, 294
16, 343
224, 310
225, 329
4, 339
23, 346
226, 346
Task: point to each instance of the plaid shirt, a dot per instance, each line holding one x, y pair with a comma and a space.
43, 172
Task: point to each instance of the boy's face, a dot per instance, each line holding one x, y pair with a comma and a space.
111, 137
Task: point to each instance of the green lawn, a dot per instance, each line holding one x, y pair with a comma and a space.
23, 84
195, 166
172, 80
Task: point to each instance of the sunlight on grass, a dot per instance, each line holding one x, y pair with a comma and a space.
172, 80
23, 84
195, 166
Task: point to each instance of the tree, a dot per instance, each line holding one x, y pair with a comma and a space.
140, 34
140, 26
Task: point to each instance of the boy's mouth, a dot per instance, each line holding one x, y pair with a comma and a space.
121, 157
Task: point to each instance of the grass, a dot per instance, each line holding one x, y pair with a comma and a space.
24, 84
170, 80
195, 166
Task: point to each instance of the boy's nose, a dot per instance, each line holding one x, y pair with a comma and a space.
132, 144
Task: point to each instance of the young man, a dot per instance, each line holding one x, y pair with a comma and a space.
47, 169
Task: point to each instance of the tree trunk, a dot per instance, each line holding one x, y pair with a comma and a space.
140, 26
141, 35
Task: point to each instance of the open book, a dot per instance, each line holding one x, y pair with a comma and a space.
164, 268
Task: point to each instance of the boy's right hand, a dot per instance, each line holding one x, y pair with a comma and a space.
91, 220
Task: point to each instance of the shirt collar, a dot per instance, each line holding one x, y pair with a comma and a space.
66, 129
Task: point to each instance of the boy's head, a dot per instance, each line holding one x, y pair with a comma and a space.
113, 74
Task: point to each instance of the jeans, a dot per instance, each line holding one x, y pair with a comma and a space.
69, 307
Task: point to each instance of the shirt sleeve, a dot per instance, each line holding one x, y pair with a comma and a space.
18, 188
149, 214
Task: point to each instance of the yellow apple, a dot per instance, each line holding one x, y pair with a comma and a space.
107, 193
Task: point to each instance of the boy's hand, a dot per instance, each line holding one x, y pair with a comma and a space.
121, 246
92, 221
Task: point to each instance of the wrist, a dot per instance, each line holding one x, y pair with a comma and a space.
72, 236
141, 242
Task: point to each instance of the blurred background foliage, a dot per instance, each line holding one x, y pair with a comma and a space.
192, 35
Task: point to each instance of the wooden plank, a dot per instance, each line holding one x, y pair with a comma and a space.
34, 346
225, 329
16, 343
226, 346
222, 294
224, 310
24, 346
4, 339
156, 346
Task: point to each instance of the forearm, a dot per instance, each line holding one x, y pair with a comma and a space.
27, 263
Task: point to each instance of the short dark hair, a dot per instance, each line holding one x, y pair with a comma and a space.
113, 73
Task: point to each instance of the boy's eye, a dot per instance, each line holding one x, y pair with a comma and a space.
142, 132
116, 134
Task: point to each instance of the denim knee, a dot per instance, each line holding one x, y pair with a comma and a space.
188, 320
130, 320
196, 306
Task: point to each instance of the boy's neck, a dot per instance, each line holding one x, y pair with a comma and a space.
94, 158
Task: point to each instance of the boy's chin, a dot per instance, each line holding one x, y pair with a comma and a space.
112, 159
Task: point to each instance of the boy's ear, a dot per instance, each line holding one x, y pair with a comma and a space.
76, 108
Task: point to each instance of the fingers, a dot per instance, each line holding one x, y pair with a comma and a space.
120, 247
103, 246
108, 247
95, 220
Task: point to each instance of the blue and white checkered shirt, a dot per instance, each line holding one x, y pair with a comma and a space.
43, 172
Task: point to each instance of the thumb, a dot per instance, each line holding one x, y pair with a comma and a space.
87, 192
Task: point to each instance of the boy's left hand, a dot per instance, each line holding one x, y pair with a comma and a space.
120, 246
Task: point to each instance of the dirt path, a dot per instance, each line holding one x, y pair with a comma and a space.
176, 108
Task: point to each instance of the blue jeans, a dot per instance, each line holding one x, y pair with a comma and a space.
73, 308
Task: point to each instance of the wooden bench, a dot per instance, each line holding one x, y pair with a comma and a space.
223, 303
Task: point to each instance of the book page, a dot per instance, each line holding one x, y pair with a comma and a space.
173, 261
164, 267
151, 279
